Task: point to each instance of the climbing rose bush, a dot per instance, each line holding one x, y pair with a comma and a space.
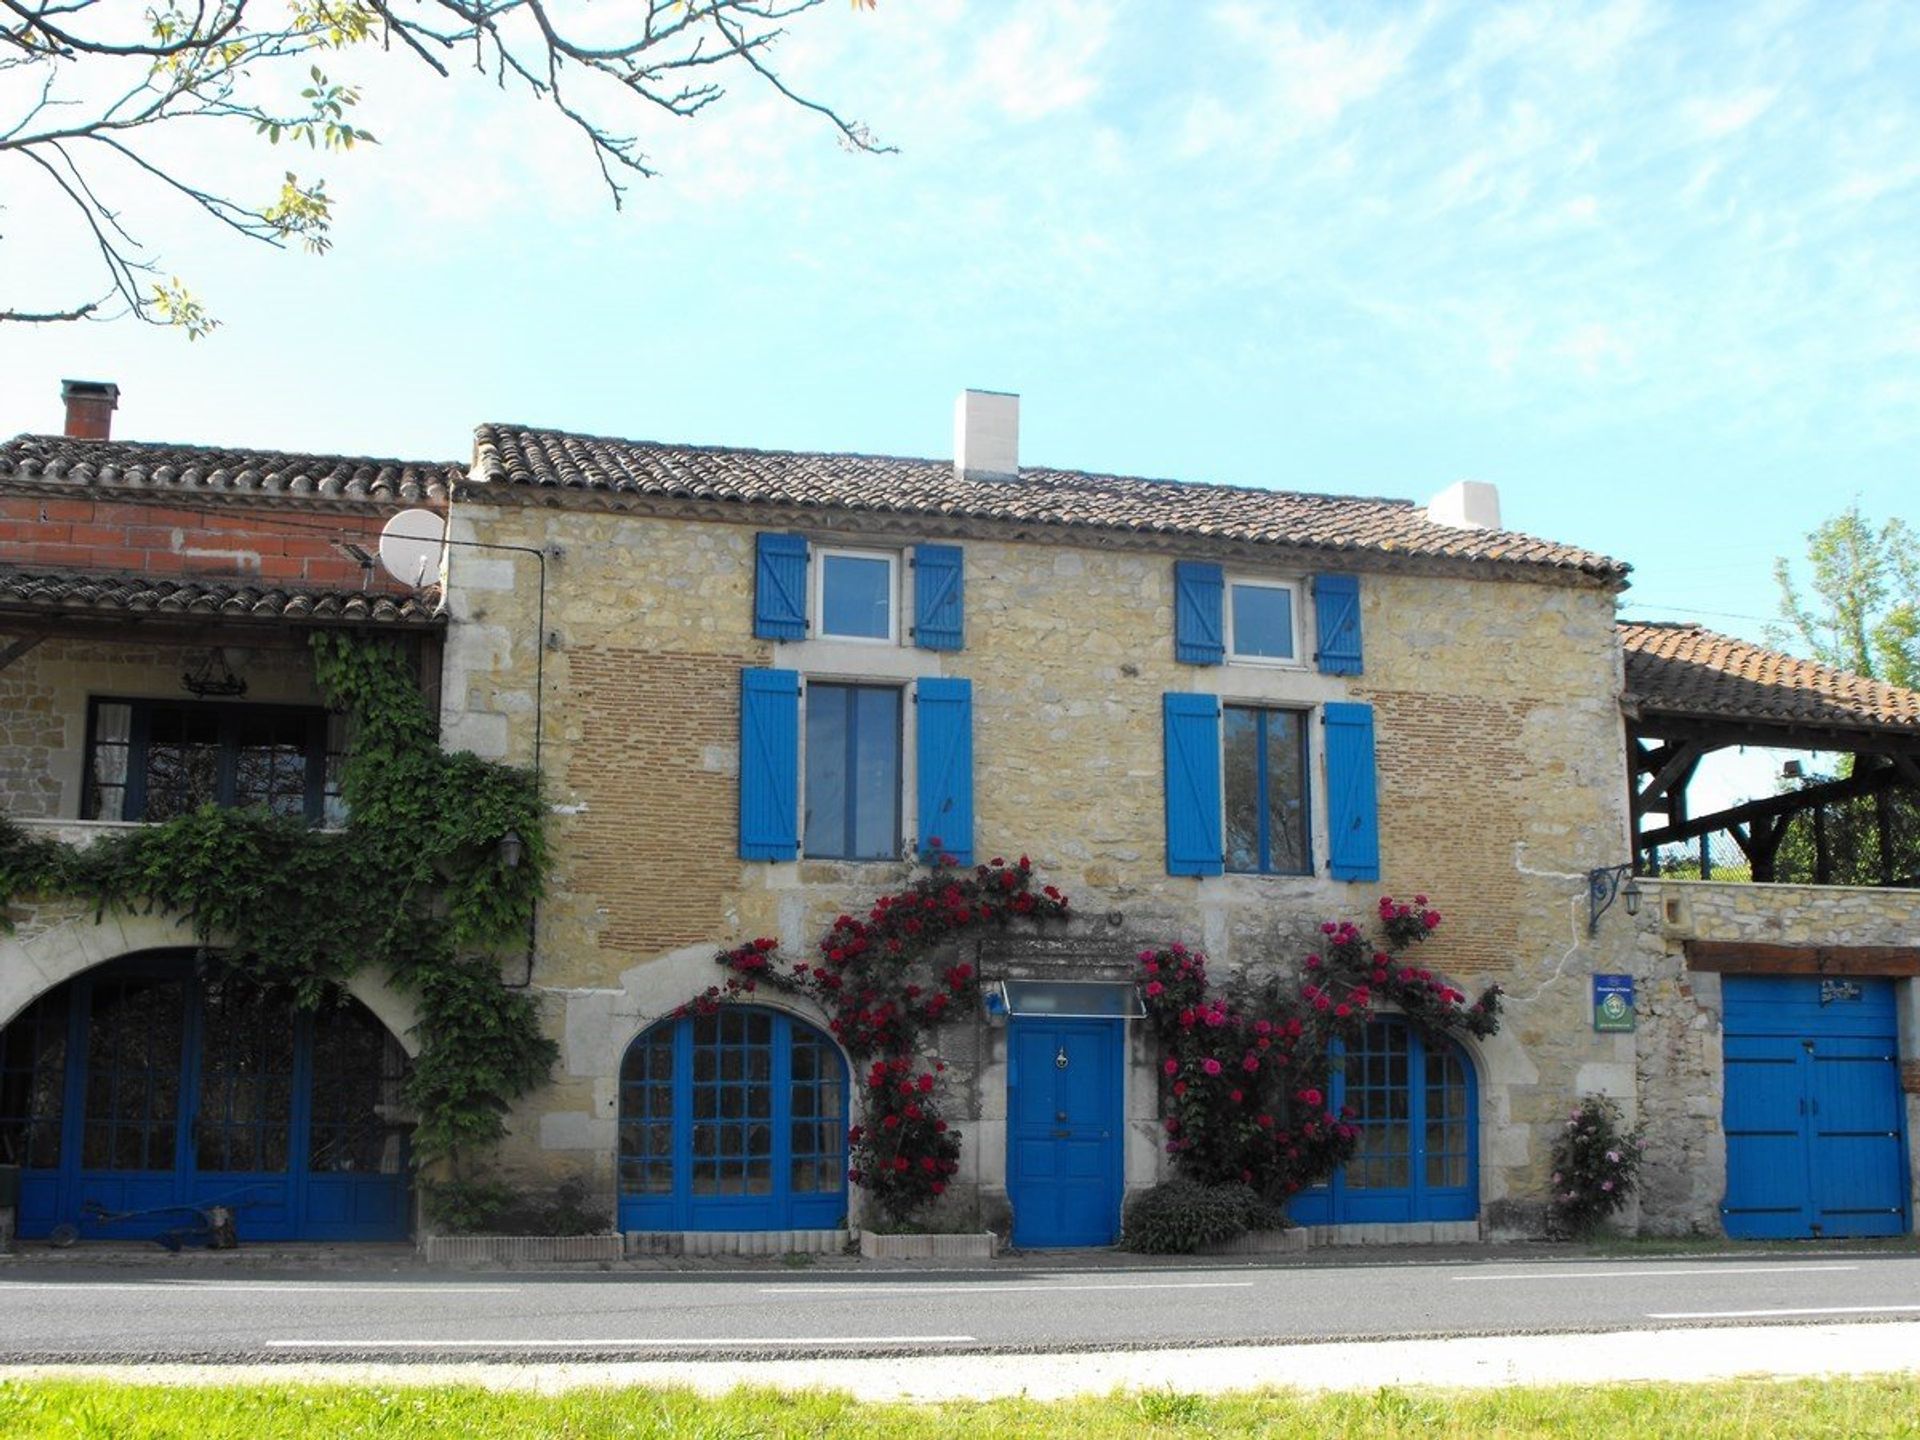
1246, 1076
1596, 1164
884, 980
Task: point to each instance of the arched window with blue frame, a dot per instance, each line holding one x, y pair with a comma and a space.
1414, 1099
735, 1120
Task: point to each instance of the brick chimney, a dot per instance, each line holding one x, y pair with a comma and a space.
90, 407
986, 435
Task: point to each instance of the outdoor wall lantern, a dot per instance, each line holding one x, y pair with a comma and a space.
509, 848
1603, 886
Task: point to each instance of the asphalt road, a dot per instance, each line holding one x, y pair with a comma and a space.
72, 1313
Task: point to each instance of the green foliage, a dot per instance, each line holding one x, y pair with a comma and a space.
1863, 613
414, 885
1595, 1165
1178, 1217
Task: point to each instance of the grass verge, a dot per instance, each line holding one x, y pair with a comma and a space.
96, 1410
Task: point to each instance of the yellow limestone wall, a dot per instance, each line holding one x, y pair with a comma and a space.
1500, 784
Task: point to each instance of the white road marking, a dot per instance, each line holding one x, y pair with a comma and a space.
878, 1288
714, 1343
202, 1287
1763, 1314
1599, 1274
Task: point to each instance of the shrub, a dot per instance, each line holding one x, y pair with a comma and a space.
1595, 1165
1177, 1217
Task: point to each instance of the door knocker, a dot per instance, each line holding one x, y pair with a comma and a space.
1060, 1060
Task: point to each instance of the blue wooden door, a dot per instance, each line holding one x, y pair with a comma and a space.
1414, 1100
1064, 1130
146, 1092
733, 1121
1814, 1118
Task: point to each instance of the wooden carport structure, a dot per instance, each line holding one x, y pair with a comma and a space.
1691, 691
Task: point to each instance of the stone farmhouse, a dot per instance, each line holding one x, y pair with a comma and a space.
757, 685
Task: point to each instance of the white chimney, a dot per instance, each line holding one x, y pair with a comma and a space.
1466, 505
986, 435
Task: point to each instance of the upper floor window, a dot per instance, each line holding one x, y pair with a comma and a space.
1261, 620
155, 759
859, 592
804, 591
852, 796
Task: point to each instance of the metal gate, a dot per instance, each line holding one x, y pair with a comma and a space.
1814, 1118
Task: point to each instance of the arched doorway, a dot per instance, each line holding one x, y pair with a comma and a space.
733, 1121
1414, 1100
143, 1089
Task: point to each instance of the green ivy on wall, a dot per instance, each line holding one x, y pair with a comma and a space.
415, 886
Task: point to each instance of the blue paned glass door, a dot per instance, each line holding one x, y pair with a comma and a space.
1064, 1130
143, 1091
1412, 1098
733, 1121
1813, 1114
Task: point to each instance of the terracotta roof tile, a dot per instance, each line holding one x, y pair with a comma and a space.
72, 593
192, 470
1686, 669
533, 460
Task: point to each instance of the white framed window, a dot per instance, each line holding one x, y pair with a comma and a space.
854, 749
857, 595
1263, 622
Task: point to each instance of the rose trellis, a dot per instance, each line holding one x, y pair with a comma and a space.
1245, 1075
883, 986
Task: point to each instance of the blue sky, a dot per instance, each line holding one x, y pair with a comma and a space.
1650, 268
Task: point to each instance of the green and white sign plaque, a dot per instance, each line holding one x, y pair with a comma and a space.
1613, 1002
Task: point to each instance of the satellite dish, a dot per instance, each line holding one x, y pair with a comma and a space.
411, 544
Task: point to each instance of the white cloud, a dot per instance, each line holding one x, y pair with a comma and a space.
1726, 115
1045, 60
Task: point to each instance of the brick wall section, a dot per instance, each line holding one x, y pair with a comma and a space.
254, 543
1910, 1076
656, 841
1454, 785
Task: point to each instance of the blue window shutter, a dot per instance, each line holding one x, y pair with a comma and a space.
1199, 638
943, 717
1353, 848
769, 764
1193, 784
780, 586
1336, 608
939, 610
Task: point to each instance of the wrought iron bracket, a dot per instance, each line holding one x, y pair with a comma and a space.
1603, 888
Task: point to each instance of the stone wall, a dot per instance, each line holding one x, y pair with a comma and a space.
1499, 780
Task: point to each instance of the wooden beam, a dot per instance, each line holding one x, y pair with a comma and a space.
1738, 957
20, 647
1677, 767
1865, 782
1718, 734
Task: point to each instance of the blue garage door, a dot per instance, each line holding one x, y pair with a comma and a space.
144, 1091
1814, 1118
1412, 1098
733, 1121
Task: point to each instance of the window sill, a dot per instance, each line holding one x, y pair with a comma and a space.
82, 833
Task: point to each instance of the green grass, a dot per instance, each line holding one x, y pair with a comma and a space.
95, 1410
